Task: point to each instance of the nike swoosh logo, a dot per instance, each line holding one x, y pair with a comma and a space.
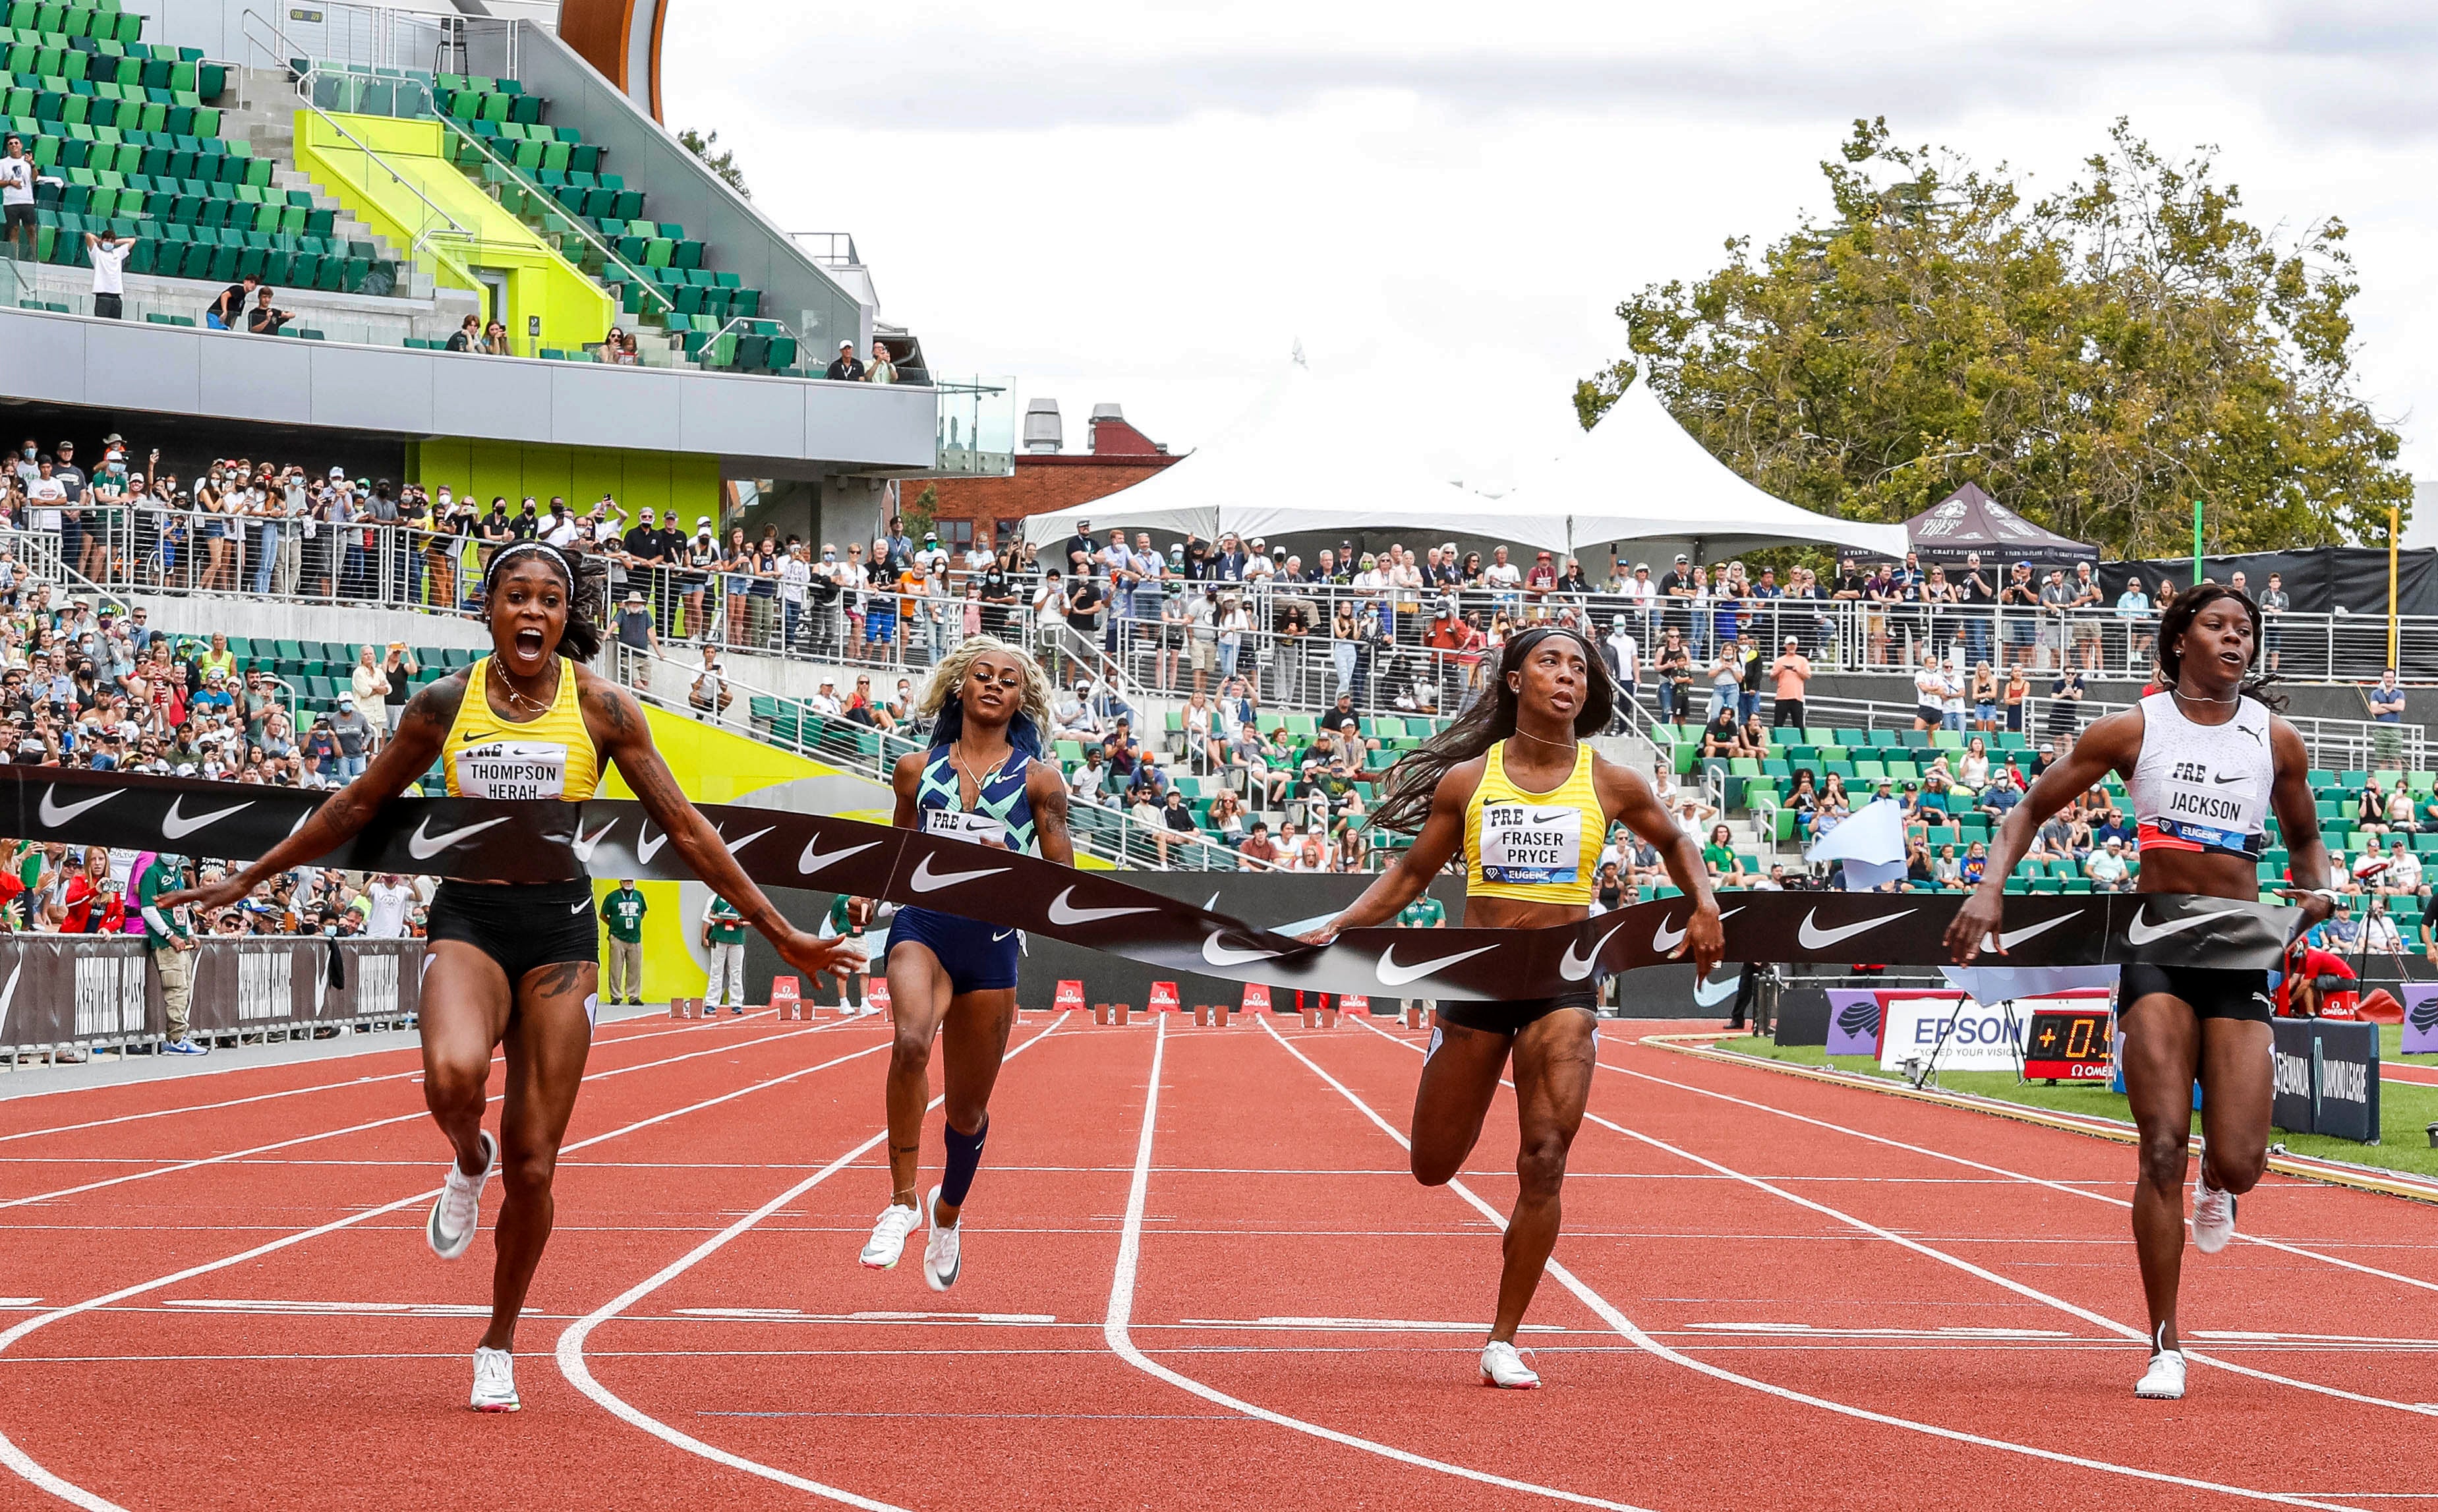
1711, 993
1061, 912
1219, 955
1575, 968
1664, 939
424, 846
579, 907
176, 826
813, 860
646, 847
2015, 937
2222, 781
927, 880
1554, 815
55, 812
734, 846
1814, 938
1213, 906
1001, 935
2141, 931
584, 843
1392, 974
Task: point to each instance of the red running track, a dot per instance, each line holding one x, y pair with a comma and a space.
1771, 1293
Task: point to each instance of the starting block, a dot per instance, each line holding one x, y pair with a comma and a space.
687, 1008
1414, 1017
1111, 1014
787, 999
877, 997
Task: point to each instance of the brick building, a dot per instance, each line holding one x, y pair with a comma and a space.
1046, 475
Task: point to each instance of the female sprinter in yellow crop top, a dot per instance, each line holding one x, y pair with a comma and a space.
1513, 784
516, 965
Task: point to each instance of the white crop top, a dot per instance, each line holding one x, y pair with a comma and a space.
2204, 788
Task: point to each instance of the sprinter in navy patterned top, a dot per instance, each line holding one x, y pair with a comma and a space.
950, 977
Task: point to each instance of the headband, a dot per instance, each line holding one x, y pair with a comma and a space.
556, 555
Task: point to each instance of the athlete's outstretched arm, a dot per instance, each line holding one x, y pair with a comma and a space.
422, 730
2111, 745
622, 735
2298, 821
1433, 848
1047, 792
1627, 797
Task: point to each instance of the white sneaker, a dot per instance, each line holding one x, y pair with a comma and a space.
1501, 1367
2164, 1379
888, 1233
2213, 1217
495, 1381
944, 1252
456, 1212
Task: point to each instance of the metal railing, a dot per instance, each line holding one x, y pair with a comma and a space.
872, 751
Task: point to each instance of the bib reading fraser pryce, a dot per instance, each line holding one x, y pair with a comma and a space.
1533, 847
549, 757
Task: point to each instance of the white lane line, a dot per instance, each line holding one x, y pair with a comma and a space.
234, 1155
570, 1344
1122, 1301
2069, 1188
24, 1465
2019, 1289
190, 1073
1626, 1326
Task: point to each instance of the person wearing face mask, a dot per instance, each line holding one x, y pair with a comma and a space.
702, 558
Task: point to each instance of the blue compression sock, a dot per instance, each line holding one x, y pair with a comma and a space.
964, 1158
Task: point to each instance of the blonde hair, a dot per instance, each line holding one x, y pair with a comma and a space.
949, 676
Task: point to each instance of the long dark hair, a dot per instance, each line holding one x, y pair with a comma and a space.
1413, 781
581, 640
2178, 618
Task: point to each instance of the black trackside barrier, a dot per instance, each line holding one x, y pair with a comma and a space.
2326, 1078
64, 990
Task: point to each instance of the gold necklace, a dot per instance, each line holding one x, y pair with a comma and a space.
517, 697
1560, 744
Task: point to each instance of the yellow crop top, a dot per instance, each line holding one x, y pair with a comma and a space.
1533, 847
550, 756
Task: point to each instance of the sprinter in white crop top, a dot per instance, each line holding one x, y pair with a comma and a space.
2208, 763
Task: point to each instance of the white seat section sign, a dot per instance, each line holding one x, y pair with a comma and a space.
1979, 1039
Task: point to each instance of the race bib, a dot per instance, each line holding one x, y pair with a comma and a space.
510, 768
979, 829
1525, 844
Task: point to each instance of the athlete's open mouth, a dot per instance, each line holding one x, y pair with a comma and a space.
529, 643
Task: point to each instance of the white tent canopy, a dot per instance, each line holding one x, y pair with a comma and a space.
1637, 476
1307, 456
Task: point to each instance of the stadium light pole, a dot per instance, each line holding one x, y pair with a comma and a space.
2393, 624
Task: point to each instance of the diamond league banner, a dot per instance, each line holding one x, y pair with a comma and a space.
521, 842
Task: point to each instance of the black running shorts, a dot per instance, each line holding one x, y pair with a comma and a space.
521, 925
1512, 1018
2211, 991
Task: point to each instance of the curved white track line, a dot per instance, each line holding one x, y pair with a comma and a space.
192, 1072
1122, 1297
570, 1344
17, 1460
1626, 1326
2000, 1170
174, 1167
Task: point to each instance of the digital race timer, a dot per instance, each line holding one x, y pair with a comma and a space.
2068, 1045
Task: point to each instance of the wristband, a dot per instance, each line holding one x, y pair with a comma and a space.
2336, 899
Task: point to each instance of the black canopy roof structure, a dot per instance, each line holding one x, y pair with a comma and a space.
1970, 520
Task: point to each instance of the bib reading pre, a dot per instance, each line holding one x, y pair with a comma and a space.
979, 829
548, 757
1533, 847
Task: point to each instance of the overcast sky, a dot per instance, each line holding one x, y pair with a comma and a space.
1152, 204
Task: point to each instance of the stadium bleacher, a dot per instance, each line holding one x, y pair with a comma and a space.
124, 127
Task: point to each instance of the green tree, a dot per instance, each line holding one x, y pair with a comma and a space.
722, 162
2096, 360
924, 514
